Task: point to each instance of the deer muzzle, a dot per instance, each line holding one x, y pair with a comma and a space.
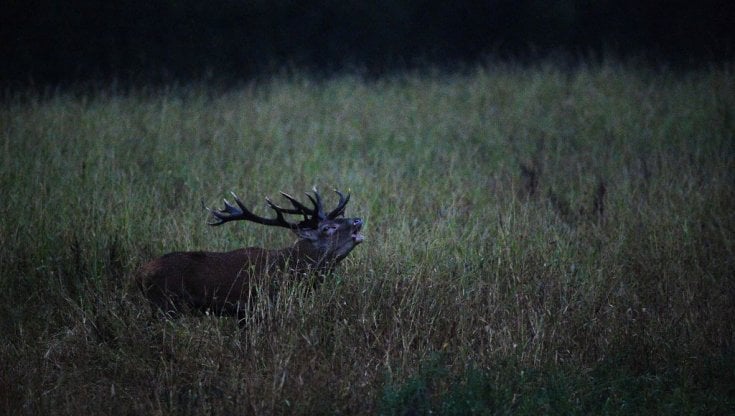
357, 237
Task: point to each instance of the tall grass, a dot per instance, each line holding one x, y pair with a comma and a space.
537, 240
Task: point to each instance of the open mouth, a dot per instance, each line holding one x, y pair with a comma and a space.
356, 236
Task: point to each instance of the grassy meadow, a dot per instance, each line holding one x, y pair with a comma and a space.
538, 240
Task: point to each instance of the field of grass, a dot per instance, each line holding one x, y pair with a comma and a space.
538, 240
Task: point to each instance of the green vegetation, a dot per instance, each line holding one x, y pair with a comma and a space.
538, 240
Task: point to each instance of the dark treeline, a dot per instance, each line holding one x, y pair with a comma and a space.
51, 41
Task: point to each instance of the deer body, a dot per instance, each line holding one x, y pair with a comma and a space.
225, 282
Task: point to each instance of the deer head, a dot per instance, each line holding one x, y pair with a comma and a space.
324, 238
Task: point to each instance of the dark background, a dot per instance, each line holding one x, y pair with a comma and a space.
62, 42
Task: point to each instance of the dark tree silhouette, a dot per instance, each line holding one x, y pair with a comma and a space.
140, 41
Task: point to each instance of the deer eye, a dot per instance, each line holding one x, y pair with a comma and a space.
329, 229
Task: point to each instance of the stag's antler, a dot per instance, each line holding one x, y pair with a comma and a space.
240, 212
312, 217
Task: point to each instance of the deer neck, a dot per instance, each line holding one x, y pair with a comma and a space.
302, 258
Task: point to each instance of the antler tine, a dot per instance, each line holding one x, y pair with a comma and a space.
340, 210
317, 201
225, 215
298, 205
279, 210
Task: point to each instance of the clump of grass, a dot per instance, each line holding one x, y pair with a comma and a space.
610, 388
537, 239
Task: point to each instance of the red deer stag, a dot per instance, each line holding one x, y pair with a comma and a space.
224, 283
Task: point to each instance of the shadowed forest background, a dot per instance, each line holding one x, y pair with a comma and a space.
51, 42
